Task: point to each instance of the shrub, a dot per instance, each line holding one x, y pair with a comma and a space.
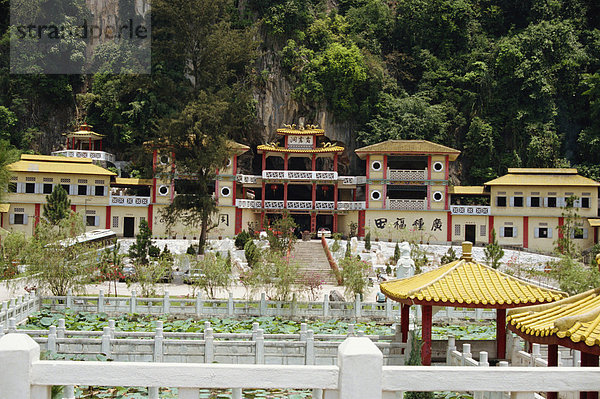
368, 241
192, 250
241, 239
252, 253
449, 256
397, 253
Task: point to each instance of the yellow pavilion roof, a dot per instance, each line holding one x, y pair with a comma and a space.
4, 208
542, 177
132, 181
594, 222
465, 190
576, 319
309, 130
407, 147
51, 164
332, 148
466, 283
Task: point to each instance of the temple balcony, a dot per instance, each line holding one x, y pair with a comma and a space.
94, 155
406, 174
300, 205
129, 200
470, 210
299, 175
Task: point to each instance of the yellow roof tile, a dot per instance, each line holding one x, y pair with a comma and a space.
576, 319
4, 208
548, 178
594, 222
464, 190
299, 132
333, 148
467, 284
407, 147
51, 164
133, 182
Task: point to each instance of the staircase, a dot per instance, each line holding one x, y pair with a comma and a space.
312, 259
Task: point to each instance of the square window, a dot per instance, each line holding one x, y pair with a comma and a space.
501, 201
482, 230
66, 187
551, 202
115, 221
19, 218
81, 190
99, 190
47, 188
518, 201
535, 202
30, 188
543, 232
578, 233
508, 232
90, 220
585, 202
457, 229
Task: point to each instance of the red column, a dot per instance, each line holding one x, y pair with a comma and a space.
426, 316
429, 167
552, 362
525, 231
313, 222
264, 161
108, 217
264, 193
368, 165
449, 227
314, 194
154, 164
335, 223
90, 145
447, 169
490, 228
404, 321
37, 214
428, 196
262, 220
235, 165
446, 197
150, 215
367, 195
100, 145
361, 223
335, 196
595, 235
285, 195
285, 161
238, 220
234, 189
588, 360
501, 333
561, 222
314, 162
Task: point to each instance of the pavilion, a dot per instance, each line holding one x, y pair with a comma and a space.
572, 322
468, 284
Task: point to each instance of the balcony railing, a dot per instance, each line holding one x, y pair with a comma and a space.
129, 200
406, 204
95, 155
406, 174
298, 175
470, 210
247, 179
300, 205
352, 179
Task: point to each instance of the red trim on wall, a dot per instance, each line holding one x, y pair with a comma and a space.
561, 222
108, 212
447, 167
37, 214
150, 215
235, 164
233, 195
74, 208
361, 223
368, 165
367, 195
490, 228
428, 196
525, 231
446, 197
449, 231
238, 220
429, 167
385, 166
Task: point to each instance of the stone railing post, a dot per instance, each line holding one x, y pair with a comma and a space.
19, 351
576, 358
309, 358
259, 342
325, 305
535, 354
1, 330
4, 313
158, 342
451, 348
101, 301
466, 354
303, 330
209, 348
132, 303
262, 308
351, 332
106, 341
69, 302
230, 304
388, 309
360, 369
199, 304
483, 362
357, 306
111, 325
69, 392
153, 393
12, 325
166, 303
60, 331
51, 346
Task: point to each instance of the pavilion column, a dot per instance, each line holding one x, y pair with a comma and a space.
404, 321
426, 321
501, 333
588, 360
552, 362
285, 195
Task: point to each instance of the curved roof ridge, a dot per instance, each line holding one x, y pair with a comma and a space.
451, 266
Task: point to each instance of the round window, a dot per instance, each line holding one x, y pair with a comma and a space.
376, 165
163, 190
375, 195
438, 166
164, 159
229, 162
225, 191
438, 196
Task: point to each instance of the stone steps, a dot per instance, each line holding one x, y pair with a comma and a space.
312, 259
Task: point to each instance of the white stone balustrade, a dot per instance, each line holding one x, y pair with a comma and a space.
299, 204
248, 203
299, 175
470, 210
129, 200
246, 179
351, 205
406, 204
406, 174
303, 205
359, 374
94, 155
329, 205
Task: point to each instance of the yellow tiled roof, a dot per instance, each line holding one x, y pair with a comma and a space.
407, 147
133, 182
550, 171
299, 132
467, 284
550, 177
594, 222
333, 148
85, 134
467, 190
4, 208
576, 318
51, 164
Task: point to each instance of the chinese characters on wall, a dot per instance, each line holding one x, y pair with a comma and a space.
417, 224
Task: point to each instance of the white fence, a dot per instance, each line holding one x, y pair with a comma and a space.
95, 155
19, 308
359, 374
293, 204
129, 200
304, 348
298, 175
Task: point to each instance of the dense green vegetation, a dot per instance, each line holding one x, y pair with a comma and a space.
508, 83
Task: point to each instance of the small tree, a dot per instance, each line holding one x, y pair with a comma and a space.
57, 206
368, 241
143, 247
281, 234
12, 253
215, 273
252, 253
312, 282
493, 252
449, 256
566, 232
111, 265
573, 276
149, 274
353, 228
241, 239
397, 253
348, 253
354, 275
277, 275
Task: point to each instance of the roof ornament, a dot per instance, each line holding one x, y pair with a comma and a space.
467, 248
287, 126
